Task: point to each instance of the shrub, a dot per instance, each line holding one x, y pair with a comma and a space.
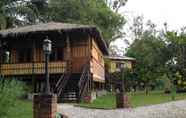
10, 90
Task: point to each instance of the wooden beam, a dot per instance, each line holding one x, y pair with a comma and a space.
34, 84
68, 54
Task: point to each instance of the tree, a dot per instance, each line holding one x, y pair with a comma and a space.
91, 12
149, 51
16, 12
176, 45
102, 13
137, 27
115, 4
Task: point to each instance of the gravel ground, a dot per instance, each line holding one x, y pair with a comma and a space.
167, 110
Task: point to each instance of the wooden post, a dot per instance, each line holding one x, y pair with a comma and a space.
89, 62
68, 52
33, 68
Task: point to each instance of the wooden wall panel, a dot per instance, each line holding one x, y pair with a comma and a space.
97, 63
80, 51
13, 58
98, 71
80, 55
78, 64
39, 55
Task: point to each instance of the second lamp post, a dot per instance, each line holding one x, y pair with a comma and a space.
121, 98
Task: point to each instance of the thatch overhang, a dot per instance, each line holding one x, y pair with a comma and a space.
53, 29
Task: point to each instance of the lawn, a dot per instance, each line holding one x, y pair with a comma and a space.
136, 99
22, 109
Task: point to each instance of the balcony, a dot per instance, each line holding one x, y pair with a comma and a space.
32, 68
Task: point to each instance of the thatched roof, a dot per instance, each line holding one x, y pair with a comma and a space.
46, 28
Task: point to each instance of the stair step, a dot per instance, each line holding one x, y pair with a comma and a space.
69, 97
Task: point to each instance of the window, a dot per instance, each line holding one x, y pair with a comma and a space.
118, 65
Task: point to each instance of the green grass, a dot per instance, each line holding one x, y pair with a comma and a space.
106, 102
22, 109
136, 99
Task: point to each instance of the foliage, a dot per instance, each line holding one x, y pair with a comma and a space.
102, 13
93, 12
151, 52
16, 12
147, 52
10, 90
167, 83
158, 53
137, 27
176, 44
115, 4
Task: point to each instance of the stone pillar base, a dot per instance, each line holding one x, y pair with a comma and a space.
122, 101
45, 105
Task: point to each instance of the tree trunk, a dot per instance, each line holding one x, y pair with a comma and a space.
146, 88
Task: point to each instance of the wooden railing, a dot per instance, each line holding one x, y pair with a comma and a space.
32, 68
61, 84
84, 80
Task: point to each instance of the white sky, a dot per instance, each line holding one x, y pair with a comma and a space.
158, 11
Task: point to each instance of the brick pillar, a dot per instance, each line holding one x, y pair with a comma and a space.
122, 101
45, 105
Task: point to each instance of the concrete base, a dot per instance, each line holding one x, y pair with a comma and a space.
101, 93
45, 105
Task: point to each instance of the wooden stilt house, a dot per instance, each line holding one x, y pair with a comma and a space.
76, 64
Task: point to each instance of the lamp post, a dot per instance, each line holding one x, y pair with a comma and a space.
122, 67
47, 48
7, 57
45, 104
121, 98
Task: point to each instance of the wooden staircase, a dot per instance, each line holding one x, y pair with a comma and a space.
83, 84
71, 91
61, 84
70, 88
70, 96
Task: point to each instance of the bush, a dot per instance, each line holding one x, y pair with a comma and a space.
10, 90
